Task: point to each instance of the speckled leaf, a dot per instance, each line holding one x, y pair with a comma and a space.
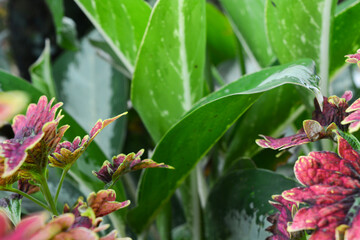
122, 23
164, 88
242, 215
299, 29
256, 43
91, 90
346, 37
191, 138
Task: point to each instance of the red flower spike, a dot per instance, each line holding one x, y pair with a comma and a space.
36, 136
122, 164
331, 191
103, 202
353, 58
323, 122
280, 220
66, 153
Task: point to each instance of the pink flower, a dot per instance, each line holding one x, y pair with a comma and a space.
110, 173
321, 126
354, 58
36, 136
66, 153
331, 192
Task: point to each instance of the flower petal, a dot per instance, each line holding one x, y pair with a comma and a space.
354, 231
283, 143
317, 194
54, 227
79, 233
319, 217
103, 202
324, 168
66, 153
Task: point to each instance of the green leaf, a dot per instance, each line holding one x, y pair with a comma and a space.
194, 135
220, 38
11, 205
67, 38
238, 204
306, 35
65, 27
91, 90
106, 52
248, 19
164, 88
346, 36
91, 159
41, 74
122, 23
277, 107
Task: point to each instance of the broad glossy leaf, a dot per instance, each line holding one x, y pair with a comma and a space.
91, 159
122, 23
276, 106
91, 89
41, 74
220, 38
346, 36
238, 204
165, 87
248, 18
193, 136
299, 29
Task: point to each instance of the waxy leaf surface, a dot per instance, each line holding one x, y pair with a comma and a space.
246, 16
237, 205
122, 23
191, 138
166, 87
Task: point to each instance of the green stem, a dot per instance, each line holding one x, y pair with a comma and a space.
65, 170
14, 190
47, 194
240, 56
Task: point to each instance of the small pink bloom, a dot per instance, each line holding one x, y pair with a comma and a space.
66, 153
36, 136
354, 58
331, 192
110, 173
321, 126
